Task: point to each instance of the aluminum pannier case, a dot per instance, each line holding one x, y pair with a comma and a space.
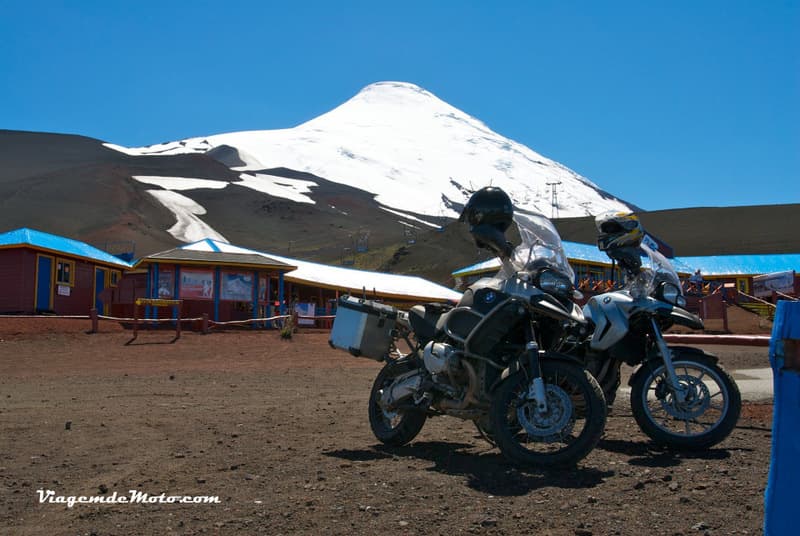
363, 327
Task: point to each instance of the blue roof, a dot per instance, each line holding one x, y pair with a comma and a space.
739, 264
584, 252
51, 242
708, 265
574, 250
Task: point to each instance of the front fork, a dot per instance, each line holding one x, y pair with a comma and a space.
536, 390
672, 377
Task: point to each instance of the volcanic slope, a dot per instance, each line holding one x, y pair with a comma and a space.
414, 152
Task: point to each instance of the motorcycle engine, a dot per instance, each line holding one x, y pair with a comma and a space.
439, 358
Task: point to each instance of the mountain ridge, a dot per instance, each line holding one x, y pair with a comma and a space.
393, 138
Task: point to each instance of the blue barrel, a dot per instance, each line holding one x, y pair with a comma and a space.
780, 496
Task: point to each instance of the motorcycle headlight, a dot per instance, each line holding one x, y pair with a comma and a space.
671, 294
554, 283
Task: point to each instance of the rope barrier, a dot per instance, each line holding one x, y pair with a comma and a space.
249, 320
120, 319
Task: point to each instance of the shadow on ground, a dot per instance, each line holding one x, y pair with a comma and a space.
487, 472
648, 454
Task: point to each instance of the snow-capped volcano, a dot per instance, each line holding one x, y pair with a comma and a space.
415, 152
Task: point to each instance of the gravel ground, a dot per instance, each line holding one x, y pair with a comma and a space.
278, 431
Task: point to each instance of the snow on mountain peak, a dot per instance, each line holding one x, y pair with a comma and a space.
414, 151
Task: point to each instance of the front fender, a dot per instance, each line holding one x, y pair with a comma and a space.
685, 318
520, 364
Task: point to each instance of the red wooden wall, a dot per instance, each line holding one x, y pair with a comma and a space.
17, 280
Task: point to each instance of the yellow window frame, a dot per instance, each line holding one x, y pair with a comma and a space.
113, 277
71, 265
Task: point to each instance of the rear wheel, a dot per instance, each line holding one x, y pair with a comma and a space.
607, 373
393, 427
562, 435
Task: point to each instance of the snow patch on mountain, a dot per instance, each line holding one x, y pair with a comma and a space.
413, 151
180, 183
188, 227
292, 189
409, 217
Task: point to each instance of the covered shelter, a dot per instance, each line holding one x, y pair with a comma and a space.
46, 273
216, 278
315, 287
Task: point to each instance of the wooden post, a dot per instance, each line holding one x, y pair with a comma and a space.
255, 299
204, 327
178, 325
95, 323
135, 319
724, 315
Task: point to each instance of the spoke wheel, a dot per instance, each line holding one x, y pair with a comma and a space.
701, 415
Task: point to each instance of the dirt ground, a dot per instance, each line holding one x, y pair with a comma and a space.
278, 430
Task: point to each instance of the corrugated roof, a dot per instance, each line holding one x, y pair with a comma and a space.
59, 244
217, 257
740, 264
708, 265
346, 279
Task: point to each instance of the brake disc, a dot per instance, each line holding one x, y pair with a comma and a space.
695, 403
551, 425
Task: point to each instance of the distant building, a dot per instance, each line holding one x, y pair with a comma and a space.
45, 273
216, 278
592, 267
313, 286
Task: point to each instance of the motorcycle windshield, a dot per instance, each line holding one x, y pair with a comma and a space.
540, 248
656, 269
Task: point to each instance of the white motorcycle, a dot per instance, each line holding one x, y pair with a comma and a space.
680, 396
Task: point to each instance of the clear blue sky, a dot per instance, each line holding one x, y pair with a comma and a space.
665, 104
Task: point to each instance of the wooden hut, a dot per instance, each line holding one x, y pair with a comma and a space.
46, 273
226, 282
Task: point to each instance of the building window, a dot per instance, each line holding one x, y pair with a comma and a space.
65, 272
113, 278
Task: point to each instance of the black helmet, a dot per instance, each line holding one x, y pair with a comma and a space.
489, 213
618, 230
489, 205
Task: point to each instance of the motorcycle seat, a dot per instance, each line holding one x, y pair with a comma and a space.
427, 320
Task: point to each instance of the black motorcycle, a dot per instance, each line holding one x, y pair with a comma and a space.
491, 358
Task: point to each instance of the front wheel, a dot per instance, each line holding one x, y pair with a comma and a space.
562, 435
398, 427
705, 414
